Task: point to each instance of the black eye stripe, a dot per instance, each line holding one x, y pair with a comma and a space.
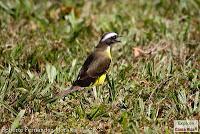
114, 37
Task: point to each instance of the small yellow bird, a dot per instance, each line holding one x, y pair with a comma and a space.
95, 68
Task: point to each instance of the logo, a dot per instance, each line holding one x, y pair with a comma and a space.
185, 125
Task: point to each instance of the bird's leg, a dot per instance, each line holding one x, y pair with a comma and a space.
95, 92
100, 93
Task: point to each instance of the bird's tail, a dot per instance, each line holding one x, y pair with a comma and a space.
64, 93
70, 90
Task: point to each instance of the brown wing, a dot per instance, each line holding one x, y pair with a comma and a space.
94, 66
84, 68
99, 66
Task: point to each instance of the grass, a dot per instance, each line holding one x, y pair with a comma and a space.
43, 45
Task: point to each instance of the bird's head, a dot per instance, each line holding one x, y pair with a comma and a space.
109, 38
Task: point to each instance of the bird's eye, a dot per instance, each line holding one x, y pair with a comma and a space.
114, 37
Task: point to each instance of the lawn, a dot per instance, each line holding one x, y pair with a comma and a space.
154, 78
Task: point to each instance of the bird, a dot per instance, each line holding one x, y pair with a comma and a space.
93, 71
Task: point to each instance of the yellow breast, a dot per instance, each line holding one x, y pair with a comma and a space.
100, 80
108, 52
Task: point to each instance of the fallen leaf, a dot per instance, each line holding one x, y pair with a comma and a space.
152, 50
138, 52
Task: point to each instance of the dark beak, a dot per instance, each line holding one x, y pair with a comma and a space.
118, 39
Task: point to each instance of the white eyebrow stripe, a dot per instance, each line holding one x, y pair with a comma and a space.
108, 36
